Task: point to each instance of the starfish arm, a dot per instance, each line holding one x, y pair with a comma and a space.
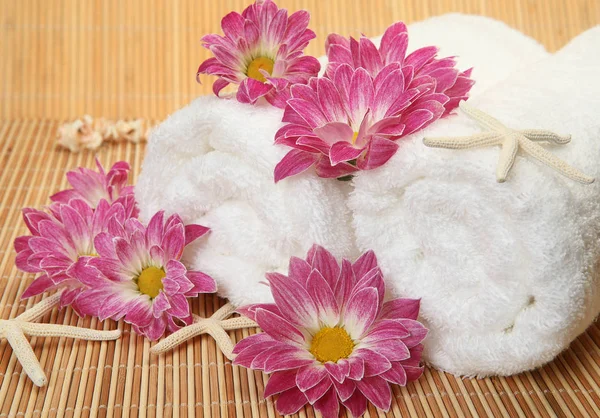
40, 309
223, 312
508, 153
554, 162
222, 339
238, 323
179, 337
543, 135
25, 354
479, 140
55, 330
482, 118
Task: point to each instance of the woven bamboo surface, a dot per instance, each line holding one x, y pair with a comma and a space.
119, 59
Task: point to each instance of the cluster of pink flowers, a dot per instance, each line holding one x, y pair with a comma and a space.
351, 118
90, 244
330, 338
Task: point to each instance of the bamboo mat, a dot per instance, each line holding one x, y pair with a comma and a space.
138, 58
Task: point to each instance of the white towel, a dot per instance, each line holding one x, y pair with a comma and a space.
212, 162
506, 271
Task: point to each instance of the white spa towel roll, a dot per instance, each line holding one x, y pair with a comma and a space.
212, 162
507, 272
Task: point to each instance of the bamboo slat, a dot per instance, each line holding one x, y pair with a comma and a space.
138, 58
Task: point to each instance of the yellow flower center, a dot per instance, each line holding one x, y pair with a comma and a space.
331, 344
257, 64
354, 137
150, 281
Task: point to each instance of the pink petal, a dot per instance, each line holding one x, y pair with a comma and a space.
356, 404
364, 264
345, 283
173, 242
250, 310
252, 340
193, 232
280, 382
330, 100
312, 144
326, 170
290, 402
397, 50
333, 132
203, 283
379, 152
416, 120
388, 91
361, 311
371, 60
316, 392
445, 78
299, 270
328, 405
361, 94
322, 295
309, 376
389, 38
278, 328
420, 57
336, 371
294, 162
296, 25
342, 152
251, 90
345, 389
38, 286
233, 25
377, 390
386, 329
375, 363
417, 332
413, 373
293, 300
401, 308
291, 358
357, 368
393, 349
321, 259
396, 374
309, 111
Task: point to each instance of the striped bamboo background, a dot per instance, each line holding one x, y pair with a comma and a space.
138, 58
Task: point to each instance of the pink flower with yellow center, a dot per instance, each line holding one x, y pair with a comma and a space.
352, 121
421, 67
330, 337
262, 52
93, 186
58, 240
139, 277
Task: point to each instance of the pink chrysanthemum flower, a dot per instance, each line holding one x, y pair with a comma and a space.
262, 51
421, 68
58, 240
93, 186
138, 275
330, 338
352, 121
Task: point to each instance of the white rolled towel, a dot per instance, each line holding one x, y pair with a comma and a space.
507, 272
212, 162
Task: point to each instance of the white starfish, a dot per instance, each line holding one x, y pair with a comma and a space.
510, 140
14, 331
215, 326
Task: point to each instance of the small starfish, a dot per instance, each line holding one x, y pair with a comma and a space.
14, 331
215, 326
510, 140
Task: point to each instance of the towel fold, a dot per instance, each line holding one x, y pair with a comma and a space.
212, 162
507, 272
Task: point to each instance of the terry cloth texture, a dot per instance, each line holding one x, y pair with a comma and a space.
507, 272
